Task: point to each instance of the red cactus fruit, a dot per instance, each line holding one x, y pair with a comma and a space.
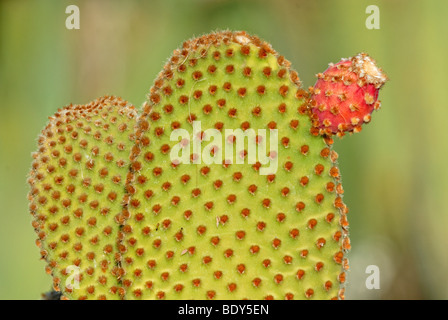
346, 94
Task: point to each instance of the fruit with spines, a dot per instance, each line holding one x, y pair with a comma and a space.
77, 187
227, 231
346, 94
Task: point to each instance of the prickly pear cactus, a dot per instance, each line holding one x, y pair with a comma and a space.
77, 187
228, 188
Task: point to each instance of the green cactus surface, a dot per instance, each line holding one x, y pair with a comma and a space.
229, 231
77, 187
225, 186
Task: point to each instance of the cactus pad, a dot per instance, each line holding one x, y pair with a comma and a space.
229, 231
77, 187
226, 185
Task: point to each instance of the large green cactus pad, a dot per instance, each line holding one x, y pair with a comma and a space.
218, 231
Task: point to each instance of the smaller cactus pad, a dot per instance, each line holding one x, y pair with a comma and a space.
77, 187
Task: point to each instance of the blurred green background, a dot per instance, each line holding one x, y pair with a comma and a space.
395, 174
